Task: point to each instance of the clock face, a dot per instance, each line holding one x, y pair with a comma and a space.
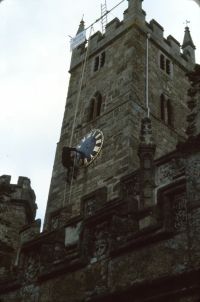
90, 146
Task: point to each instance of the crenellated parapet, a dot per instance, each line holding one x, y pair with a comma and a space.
170, 44
112, 26
134, 17
20, 193
17, 208
156, 29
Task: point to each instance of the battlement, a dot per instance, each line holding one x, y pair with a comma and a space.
23, 182
156, 28
94, 41
116, 28
112, 25
175, 45
20, 193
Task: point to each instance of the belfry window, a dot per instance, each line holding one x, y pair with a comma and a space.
165, 64
166, 110
99, 61
95, 106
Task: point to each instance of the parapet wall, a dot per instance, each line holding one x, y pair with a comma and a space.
20, 193
116, 28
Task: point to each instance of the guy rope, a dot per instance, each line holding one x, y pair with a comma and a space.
75, 117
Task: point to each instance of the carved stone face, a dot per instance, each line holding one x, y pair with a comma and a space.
100, 247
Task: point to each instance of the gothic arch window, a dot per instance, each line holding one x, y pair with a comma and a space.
166, 110
95, 106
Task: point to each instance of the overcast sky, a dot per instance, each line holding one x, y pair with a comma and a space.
34, 63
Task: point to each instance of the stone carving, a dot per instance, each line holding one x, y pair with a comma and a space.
130, 186
100, 242
93, 202
180, 212
31, 268
169, 171
61, 217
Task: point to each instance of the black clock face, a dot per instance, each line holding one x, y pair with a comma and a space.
91, 145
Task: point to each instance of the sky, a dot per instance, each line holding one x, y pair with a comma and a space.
34, 63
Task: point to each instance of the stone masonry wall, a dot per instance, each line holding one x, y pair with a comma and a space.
17, 201
121, 82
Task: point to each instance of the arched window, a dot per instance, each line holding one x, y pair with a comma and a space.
91, 109
99, 61
166, 64
95, 106
166, 110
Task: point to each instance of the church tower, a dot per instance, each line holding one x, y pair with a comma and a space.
122, 219
107, 92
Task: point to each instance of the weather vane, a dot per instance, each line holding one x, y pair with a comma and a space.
186, 23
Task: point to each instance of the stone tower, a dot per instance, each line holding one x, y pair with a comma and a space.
17, 209
114, 77
126, 227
